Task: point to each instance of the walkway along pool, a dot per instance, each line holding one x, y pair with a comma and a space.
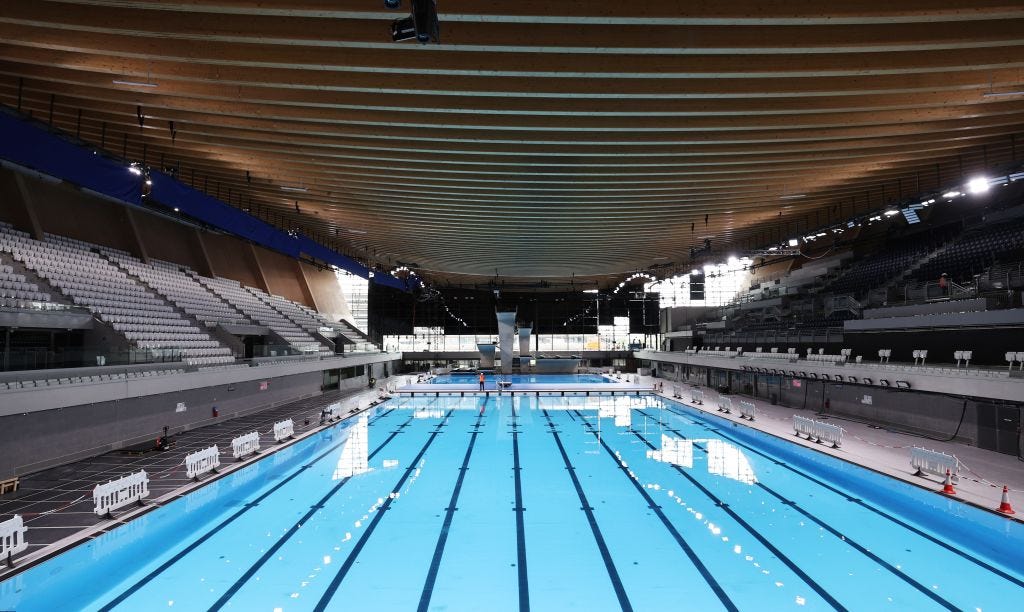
550, 503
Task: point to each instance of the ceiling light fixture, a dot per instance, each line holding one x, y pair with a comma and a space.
134, 83
1001, 94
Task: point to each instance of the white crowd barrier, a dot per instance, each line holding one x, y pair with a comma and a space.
818, 431
283, 429
696, 396
636, 379
12, 538
677, 392
747, 410
331, 413
725, 404
119, 493
202, 461
244, 445
934, 462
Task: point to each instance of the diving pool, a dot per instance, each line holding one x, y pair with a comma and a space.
470, 378
549, 503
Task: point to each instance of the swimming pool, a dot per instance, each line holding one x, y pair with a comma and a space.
550, 503
470, 378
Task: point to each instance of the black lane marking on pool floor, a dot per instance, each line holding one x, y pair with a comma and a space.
209, 534
517, 470
332, 588
750, 529
694, 558
860, 502
319, 505
609, 564
844, 538
442, 538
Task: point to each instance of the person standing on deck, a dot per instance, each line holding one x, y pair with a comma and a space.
481, 379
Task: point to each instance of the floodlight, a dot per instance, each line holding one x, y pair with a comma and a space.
977, 185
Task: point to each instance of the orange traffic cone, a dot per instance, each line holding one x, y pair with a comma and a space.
947, 487
1004, 505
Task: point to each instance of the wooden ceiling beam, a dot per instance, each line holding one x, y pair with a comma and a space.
532, 11
367, 65
467, 36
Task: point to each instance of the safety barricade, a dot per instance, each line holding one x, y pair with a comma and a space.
636, 379
747, 410
933, 462
244, 445
725, 404
677, 392
696, 396
119, 493
331, 413
12, 539
202, 461
283, 429
818, 431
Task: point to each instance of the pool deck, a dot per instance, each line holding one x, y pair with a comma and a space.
448, 389
58, 509
57, 505
981, 481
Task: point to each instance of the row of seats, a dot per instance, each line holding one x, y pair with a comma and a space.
88, 279
247, 300
975, 252
136, 298
77, 380
879, 268
168, 280
15, 287
303, 321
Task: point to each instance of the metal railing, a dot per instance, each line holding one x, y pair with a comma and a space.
18, 359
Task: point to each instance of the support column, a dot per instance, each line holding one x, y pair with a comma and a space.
35, 228
524, 341
201, 248
140, 249
506, 335
307, 292
257, 268
486, 356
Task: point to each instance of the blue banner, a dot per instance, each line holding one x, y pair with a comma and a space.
29, 144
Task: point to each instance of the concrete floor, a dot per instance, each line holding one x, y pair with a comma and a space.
981, 481
57, 506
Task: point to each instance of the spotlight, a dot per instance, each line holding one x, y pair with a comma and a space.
793, 242
977, 185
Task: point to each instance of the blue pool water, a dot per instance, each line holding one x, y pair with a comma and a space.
501, 503
545, 379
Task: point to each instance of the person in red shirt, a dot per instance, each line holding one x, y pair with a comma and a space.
481, 379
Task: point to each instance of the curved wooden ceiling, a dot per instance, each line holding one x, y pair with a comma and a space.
541, 138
